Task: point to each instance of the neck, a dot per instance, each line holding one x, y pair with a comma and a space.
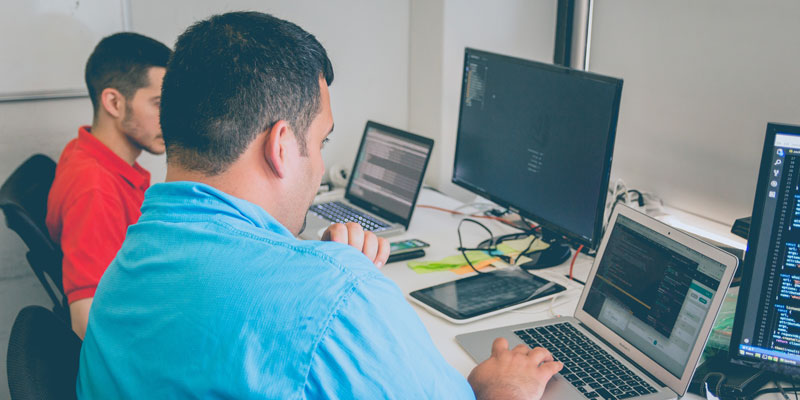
107, 133
236, 181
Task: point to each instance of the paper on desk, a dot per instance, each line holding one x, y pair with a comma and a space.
520, 244
451, 262
480, 259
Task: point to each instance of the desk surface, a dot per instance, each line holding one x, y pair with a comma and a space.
439, 229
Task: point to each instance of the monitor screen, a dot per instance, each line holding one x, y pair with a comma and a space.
388, 170
538, 138
766, 331
653, 292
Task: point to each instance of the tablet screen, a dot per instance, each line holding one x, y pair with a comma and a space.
484, 293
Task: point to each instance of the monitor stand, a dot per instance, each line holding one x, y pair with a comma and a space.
556, 254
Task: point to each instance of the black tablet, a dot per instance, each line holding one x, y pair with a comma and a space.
482, 295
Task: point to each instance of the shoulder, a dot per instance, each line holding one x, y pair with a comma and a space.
337, 258
341, 255
303, 264
78, 175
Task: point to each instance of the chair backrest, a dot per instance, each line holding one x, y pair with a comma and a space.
23, 199
43, 356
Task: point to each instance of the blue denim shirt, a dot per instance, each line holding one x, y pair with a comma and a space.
211, 297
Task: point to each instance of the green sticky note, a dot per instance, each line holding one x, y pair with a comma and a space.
448, 263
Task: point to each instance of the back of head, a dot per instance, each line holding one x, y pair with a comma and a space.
121, 61
231, 78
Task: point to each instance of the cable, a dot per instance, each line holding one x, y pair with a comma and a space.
575, 257
767, 391
624, 196
523, 252
639, 198
492, 242
492, 247
780, 389
565, 295
720, 378
535, 227
550, 308
619, 187
615, 197
482, 207
454, 212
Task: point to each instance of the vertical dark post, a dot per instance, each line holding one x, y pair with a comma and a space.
563, 47
573, 33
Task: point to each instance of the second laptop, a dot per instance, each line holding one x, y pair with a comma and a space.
383, 187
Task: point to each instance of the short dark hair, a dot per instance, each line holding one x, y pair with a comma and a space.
122, 61
234, 76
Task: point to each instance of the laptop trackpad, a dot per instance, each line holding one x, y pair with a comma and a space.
559, 388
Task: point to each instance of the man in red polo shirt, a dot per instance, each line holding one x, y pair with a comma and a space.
99, 187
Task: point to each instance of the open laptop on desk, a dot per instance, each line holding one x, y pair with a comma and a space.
642, 320
383, 187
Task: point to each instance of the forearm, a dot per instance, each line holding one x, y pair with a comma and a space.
79, 314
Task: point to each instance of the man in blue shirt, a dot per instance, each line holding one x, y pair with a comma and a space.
211, 294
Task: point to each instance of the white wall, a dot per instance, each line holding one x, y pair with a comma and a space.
26, 129
521, 28
702, 79
367, 41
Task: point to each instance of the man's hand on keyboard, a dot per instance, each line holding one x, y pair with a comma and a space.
520, 373
351, 233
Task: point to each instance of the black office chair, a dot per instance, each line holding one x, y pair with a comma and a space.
23, 199
43, 356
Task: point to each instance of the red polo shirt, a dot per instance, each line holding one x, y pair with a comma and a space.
95, 196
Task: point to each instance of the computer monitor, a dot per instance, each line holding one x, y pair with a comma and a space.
766, 329
538, 139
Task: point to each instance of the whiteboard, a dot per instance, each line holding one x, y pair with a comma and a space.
46, 44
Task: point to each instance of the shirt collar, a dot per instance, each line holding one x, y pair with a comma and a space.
178, 199
137, 176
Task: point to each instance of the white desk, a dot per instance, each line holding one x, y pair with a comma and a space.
439, 229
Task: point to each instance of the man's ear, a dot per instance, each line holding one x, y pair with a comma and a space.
113, 102
276, 147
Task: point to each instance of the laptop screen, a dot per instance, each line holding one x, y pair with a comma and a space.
653, 292
389, 169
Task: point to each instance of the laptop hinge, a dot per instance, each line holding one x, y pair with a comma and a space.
618, 353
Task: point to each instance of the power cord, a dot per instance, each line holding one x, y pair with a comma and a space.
722, 390
456, 212
490, 245
572, 264
492, 249
625, 197
720, 379
780, 388
772, 390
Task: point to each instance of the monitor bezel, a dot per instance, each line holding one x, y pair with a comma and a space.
380, 211
544, 222
752, 245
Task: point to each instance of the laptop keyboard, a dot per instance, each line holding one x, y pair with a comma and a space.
589, 368
339, 212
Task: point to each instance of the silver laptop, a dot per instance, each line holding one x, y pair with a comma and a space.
642, 320
383, 187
